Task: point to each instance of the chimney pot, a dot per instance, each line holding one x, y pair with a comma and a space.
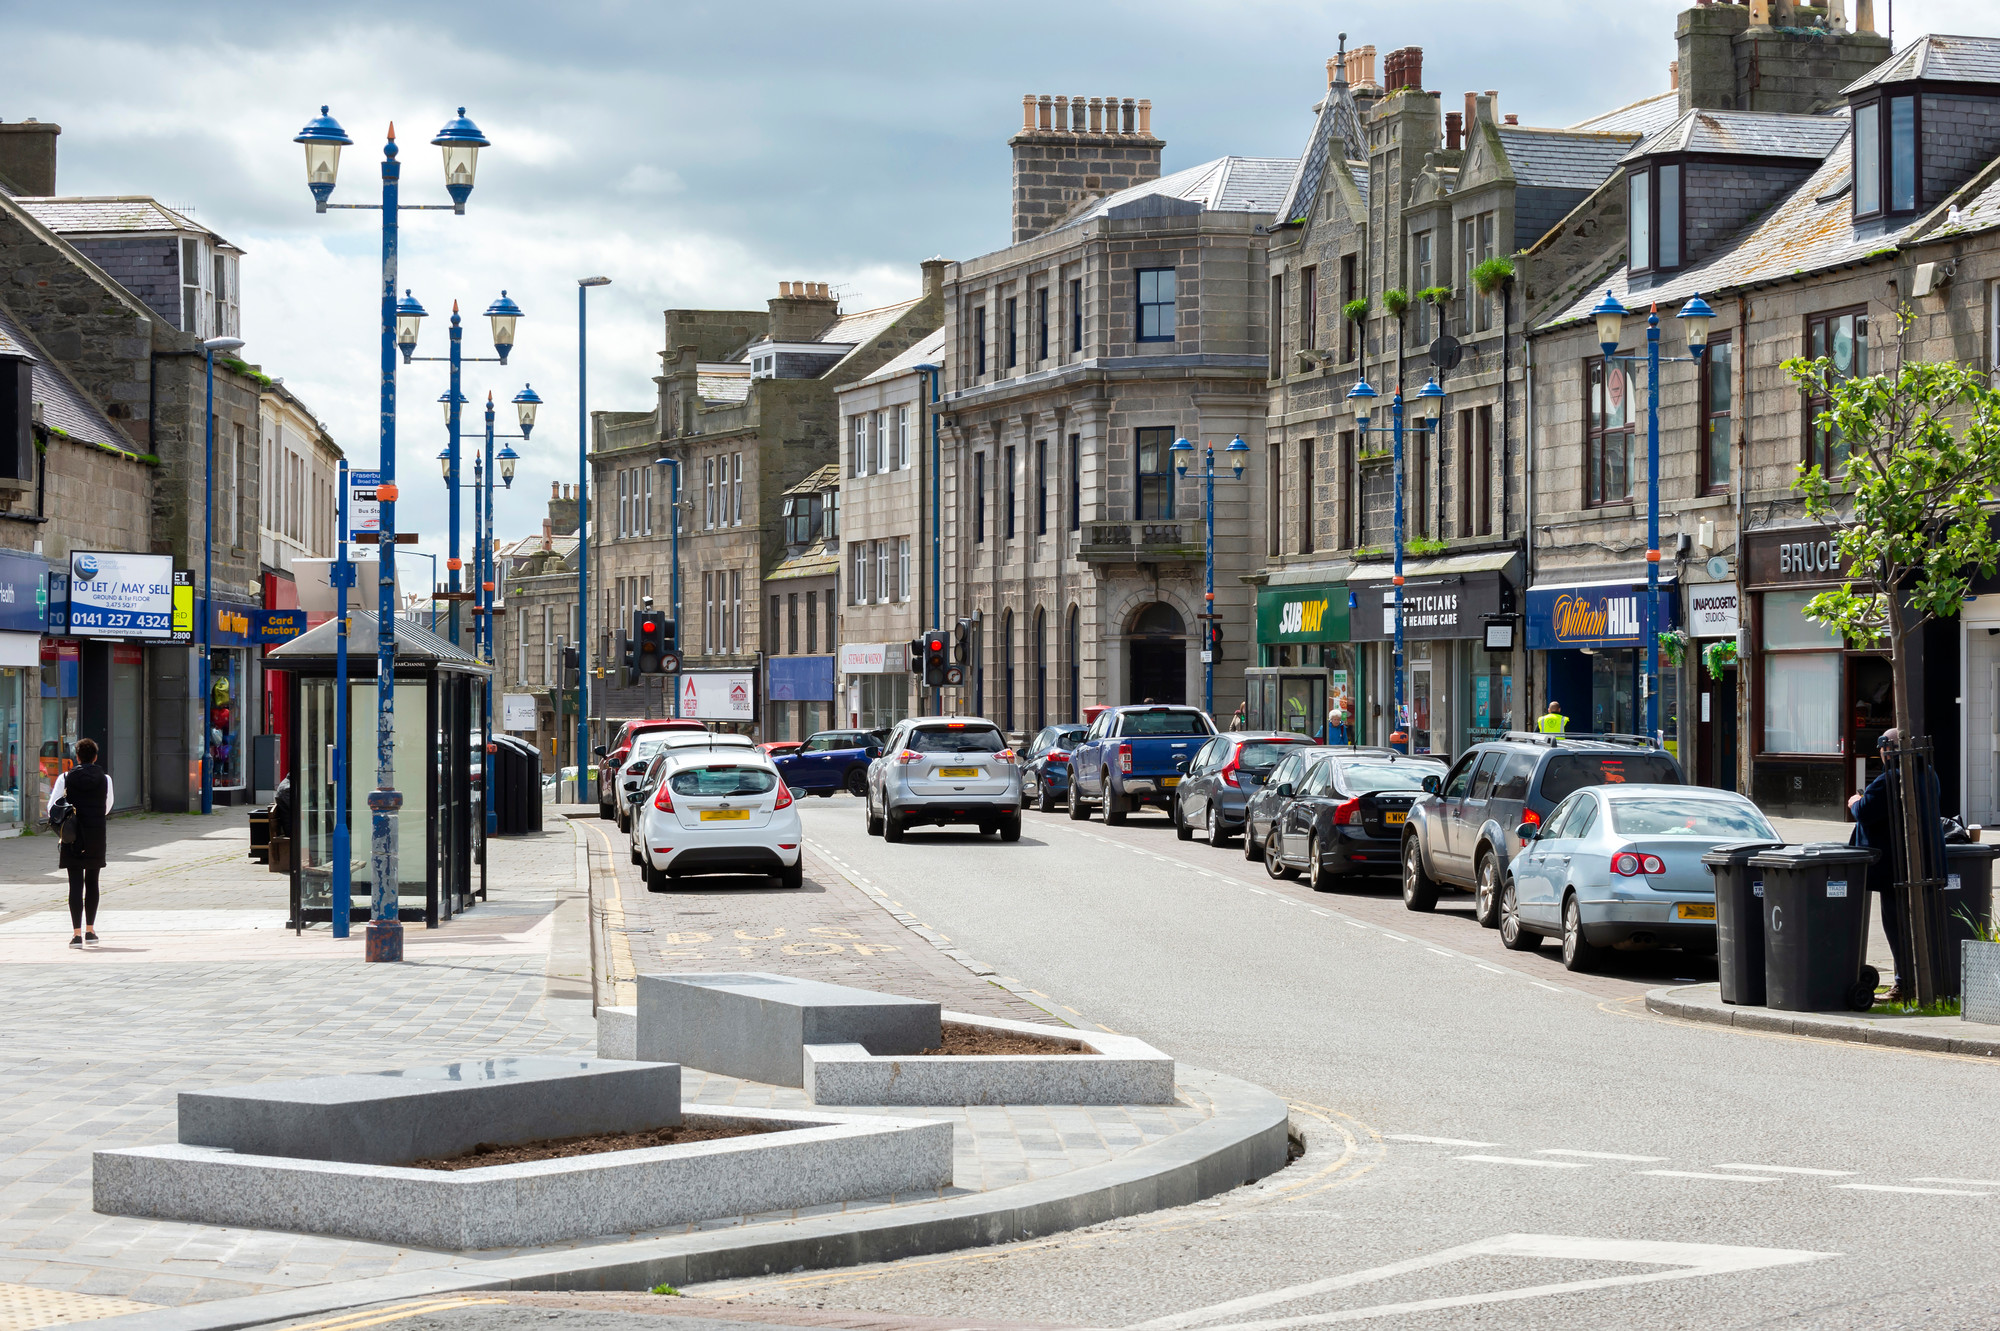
1146, 116
1674, 75
1078, 113
1131, 115
1454, 130
1864, 16
1096, 115
1062, 112
1330, 65
1471, 110
1027, 110
1042, 106
1513, 120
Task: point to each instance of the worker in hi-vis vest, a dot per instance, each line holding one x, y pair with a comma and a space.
1553, 721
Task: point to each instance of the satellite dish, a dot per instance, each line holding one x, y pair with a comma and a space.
1447, 351
1718, 567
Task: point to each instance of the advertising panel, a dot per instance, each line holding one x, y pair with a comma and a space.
1712, 610
1449, 606
723, 695
24, 593
517, 711
115, 594
874, 658
801, 678
364, 510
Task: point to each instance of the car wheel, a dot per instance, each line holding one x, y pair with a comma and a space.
1079, 812
656, 879
793, 875
1218, 830
1316, 875
1252, 850
1578, 952
1515, 936
892, 829
1114, 808
604, 811
1274, 865
827, 794
1182, 832
857, 781
636, 857
1010, 828
874, 819
1486, 892
1045, 800
1420, 890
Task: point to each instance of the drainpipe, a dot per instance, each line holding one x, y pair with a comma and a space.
1526, 702
1741, 422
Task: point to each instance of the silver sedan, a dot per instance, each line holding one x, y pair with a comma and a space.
1620, 867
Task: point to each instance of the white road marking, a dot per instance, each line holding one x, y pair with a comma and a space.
1689, 1173
1967, 1182
1495, 969
1691, 1259
1928, 1192
1790, 1169
1431, 1141
1601, 1155
1440, 951
1324, 914
1539, 985
1354, 924
1523, 1160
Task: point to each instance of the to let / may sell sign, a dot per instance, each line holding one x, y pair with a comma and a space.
116, 594
517, 711
364, 510
723, 695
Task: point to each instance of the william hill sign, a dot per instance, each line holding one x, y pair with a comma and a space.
1612, 615
1302, 614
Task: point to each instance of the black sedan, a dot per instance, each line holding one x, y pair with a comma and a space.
1045, 766
1343, 818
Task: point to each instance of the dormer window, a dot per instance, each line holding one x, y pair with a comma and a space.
801, 514
1886, 168
1657, 220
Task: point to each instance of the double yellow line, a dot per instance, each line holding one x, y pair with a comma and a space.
394, 1313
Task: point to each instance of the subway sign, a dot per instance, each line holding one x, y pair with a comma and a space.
1609, 615
1302, 614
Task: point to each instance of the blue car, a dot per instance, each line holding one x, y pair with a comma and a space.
830, 761
1045, 773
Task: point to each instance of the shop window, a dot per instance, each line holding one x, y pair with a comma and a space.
1841, 337
1607, 428
1802, 678
1717, 454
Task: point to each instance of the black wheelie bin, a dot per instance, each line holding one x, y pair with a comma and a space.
1816, 927
1739, 919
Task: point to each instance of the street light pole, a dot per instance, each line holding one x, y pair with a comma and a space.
213, 345
583, 286
343, 869
936, 374
1208, 615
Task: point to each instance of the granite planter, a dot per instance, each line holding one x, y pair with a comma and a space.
1980, 981
1100, 1069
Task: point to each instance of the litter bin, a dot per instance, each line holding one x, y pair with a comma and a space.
1816, 927
1966, 905
515, 771
1739, 919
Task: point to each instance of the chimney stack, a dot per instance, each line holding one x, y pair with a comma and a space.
1070, 149
1404, 68
801, 311
28, 157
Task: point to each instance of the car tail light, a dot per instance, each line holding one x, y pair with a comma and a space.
1005, 756
1531, 818
908, 756
1347, 812
1631, 864
1124, 757
663, 801
1057, 758
784, 798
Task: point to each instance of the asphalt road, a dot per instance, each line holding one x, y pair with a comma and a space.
1491, 1141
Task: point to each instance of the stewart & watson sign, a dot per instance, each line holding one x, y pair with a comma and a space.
1596, 615
1302, 614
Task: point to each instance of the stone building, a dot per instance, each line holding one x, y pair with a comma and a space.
1128, 312
747, 409
537, 587
1397, 199
802, 597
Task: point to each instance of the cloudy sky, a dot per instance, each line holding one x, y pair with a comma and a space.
697, 153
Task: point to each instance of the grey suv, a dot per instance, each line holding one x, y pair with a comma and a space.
1461, 833
941, 770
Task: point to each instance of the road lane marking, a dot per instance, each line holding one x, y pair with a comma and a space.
1790, 1169
1928, 1192
1522, 1160
1967, 1182
1440, 951
1601, 1155
1539, 985
1495, 969
1690, 1173
1690, 1260
1431, 1141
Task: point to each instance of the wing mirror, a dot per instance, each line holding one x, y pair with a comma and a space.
634, 796
1285, 790
1431, 785
600, 750
1527, 832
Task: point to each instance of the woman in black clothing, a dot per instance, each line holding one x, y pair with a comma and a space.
88, 789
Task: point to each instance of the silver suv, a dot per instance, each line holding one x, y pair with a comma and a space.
945, 769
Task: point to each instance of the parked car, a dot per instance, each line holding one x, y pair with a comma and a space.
1134, 756
1344, 816
1463, 835
1620, 866
1225, 772
942, 770
721, 810
1045, 766
1261, 809
616, 753
831, 761
650, 744
778, 748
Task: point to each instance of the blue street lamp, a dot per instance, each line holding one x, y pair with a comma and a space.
1610, 316
583, 286
1210, 621
1363, 396
674, 576
460, 141
936, 375
210, 347
343, 869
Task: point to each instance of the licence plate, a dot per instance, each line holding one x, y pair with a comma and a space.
1695, 910
1392, 816
725, 815
958, 773
1170, 781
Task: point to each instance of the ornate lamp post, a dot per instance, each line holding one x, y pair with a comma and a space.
460, 140
583, 286
1610, 316
1210, 621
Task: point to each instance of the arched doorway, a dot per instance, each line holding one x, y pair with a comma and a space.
1157, 657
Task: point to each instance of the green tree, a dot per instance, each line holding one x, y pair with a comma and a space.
1910, 516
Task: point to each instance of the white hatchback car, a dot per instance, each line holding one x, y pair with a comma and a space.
717, 810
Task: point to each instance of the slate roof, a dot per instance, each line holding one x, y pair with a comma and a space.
821, 563
822, 478
864, 326
1642, 117
1339, 121
1227, 184
1938, 57
64, 406
413, 643
928, 350
96, 216
1745, 134
1562, 158
720, 386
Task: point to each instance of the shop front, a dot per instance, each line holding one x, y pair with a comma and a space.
104, 609
1817, 708
1307, 678
24, 603
1457, 690
877, 676
1594, 634
801, 695
234, 660
1714, 614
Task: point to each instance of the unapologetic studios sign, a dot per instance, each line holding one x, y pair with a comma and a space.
114, 594
1712, 611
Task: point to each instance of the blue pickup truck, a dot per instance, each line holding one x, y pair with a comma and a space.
1134, 756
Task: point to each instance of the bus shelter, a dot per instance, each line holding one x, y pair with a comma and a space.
440, 771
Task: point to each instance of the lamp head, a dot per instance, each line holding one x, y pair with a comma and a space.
409, 314
1362, 396
461, 141
1239, 448
508, 458
1183, 447
593, 281
225, 345
448, 400
323, 138
525, 403
505, 314
444, 463
1699, 316
1610, 316
1430, 400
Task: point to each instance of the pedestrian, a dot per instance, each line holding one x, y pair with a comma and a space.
1239, 716
1336, 718
1877, 812
1553, 721
87, 787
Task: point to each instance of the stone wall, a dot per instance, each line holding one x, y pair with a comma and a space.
1088, 147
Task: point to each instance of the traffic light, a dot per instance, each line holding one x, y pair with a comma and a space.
631, 646
961, 646
915, 656
936, 660
652, 640
1215, 636
569, 663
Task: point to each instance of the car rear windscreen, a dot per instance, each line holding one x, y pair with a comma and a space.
1689, 818
1166, 721
1261, 755
964, 739
1568, 773
720, 782
1360, 778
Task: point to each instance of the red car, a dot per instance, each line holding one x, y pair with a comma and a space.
612, 758
778, 748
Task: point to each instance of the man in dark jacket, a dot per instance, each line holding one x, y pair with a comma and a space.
1877, 811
